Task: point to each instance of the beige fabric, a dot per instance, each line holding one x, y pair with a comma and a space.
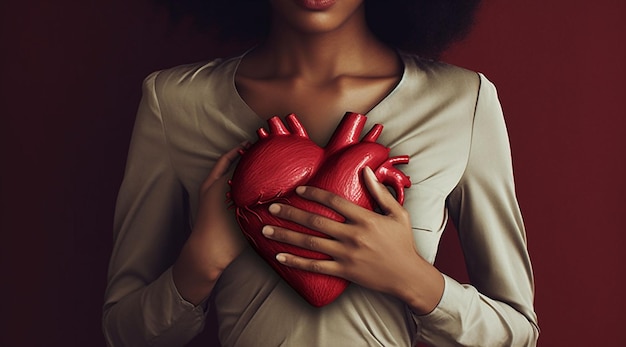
446, 118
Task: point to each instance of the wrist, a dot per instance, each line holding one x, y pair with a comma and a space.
193, 282
194, 289
423, 289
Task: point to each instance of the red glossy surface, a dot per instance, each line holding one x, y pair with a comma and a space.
285, 158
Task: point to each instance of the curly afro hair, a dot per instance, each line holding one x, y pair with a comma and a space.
424, 27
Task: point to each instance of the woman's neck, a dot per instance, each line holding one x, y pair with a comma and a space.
349, 50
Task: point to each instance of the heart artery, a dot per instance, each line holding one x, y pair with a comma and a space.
284, 158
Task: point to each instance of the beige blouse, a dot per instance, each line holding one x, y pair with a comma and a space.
447, 119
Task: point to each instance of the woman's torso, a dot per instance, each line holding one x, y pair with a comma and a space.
428, 116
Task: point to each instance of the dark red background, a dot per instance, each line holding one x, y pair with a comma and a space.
70, 75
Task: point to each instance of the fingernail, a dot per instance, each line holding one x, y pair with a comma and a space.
274, 208
267, 230
369, 172
281, 258
301, 189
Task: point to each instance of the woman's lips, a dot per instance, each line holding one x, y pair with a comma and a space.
316, 5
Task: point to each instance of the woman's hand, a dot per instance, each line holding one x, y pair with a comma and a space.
215, 240
373, 250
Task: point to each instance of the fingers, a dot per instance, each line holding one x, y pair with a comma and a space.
344, 207
383, 197
302, 240
224, 162
222, 165
327, 267
307, 219
330, 247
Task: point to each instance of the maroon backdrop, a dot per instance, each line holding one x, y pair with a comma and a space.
70, 76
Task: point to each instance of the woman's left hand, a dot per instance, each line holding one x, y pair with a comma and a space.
373, 250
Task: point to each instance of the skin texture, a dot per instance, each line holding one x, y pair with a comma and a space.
215, 240
370, 249
315, 67
313, 64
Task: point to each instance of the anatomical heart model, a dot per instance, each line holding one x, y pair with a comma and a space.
284, 158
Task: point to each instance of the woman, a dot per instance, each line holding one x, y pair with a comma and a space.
319, 59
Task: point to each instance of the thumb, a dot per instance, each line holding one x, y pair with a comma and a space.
381, 194
222, 166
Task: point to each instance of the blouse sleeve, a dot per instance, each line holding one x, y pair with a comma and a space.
497, 309
142, 306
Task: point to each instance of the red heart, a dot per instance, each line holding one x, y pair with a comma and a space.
285, 158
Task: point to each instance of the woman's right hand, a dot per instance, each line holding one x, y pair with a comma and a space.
215, 240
